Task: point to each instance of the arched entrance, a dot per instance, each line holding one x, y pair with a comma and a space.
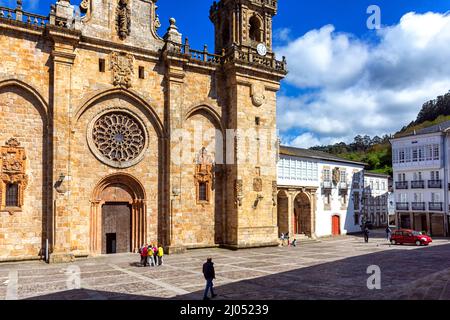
283, 212
118, 215
302, 215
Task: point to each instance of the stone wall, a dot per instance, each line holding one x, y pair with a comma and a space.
22, 117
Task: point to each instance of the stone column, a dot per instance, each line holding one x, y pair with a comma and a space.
173, 121
313, 214
411, 219
63, 58
290, 212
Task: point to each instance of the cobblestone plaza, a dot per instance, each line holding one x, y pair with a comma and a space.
331, 269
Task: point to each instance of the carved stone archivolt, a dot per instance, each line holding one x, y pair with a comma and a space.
123, 19
204, 173
13, 171
122, 67
118, 138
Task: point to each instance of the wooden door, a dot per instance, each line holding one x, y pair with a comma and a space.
116, 228
336, 226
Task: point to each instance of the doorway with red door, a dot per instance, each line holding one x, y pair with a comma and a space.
336, 225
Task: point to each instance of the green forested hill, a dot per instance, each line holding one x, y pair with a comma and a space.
376, 152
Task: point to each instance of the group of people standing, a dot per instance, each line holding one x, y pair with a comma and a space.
285, 240
151, 255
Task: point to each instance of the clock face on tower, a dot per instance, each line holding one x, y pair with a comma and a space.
262, 49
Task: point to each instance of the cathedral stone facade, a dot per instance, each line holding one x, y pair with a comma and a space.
112, 136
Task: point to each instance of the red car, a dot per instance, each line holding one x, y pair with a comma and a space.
404, 236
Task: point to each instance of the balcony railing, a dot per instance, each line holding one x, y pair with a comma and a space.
403, 206
419, 184
418, 206
19, 15
436, 206
327, 185
343, 185
435, 184
401, 185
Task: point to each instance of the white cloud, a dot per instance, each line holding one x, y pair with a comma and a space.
361, 87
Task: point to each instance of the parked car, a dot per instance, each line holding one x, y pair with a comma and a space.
405, 236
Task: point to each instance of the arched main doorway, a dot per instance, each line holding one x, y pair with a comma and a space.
118, 215
302, 215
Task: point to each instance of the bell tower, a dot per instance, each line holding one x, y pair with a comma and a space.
244, 23
250, 78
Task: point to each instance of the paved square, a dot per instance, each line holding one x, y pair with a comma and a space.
331, 269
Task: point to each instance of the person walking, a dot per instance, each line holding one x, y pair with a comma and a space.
144, 255
388, 233
294, 243
160, 255
209, 274
366, 234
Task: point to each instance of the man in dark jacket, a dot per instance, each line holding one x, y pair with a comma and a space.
210, 275
366, 234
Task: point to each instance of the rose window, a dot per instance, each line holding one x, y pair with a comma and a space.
118, 137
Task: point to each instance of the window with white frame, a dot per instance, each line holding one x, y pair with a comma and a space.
415, 154
327, 175
434, 175
401, 155
435, 197
343, 176
429, 153
402, 197
418, 197
436, 152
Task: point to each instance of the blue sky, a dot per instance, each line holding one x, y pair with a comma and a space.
344, 78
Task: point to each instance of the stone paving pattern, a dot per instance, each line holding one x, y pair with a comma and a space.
331, 269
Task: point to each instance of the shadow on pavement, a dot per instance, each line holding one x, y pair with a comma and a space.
338, 280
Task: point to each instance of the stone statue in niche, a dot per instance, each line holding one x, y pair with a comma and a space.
123, 19
122, 67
